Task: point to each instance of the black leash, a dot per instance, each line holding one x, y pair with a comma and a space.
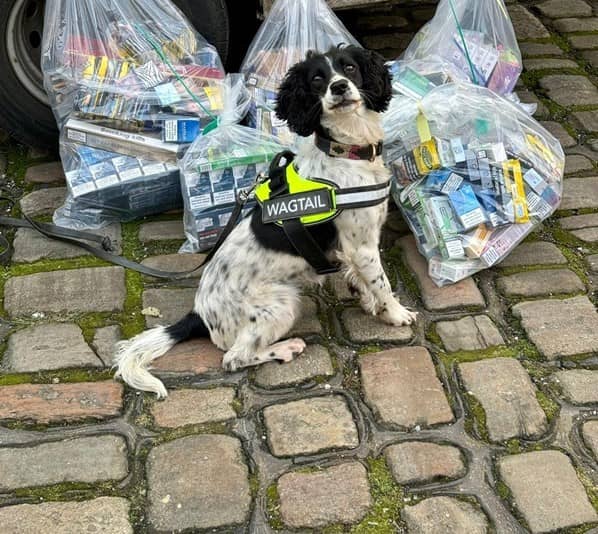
78, 238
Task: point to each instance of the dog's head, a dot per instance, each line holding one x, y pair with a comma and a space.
341, 81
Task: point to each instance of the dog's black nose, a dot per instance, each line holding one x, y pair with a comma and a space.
339, 88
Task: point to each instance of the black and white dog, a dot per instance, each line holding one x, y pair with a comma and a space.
248, 296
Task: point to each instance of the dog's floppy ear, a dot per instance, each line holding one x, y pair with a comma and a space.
296, 104
377, 83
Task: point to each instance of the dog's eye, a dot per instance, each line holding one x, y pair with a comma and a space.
349, 69
317, 79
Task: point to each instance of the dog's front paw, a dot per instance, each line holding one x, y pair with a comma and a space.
398, 316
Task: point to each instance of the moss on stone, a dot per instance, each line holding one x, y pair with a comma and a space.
503, 491
394, 257
70, 491
475, 421
432, 335
387, 501
273, 507
189, 430
550, 407
67, 376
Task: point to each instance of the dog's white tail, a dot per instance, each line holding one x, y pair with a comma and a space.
133, 356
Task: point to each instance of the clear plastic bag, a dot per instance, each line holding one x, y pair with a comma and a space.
219, 165
472, 37
131, 84
291, 29
473, 175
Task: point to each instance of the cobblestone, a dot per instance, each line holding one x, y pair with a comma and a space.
568, 90
539, 283
583, 42
527, 97
546, 490
579, 385
526, 25
559, 132
591, 56
198, 482
45, 173
580, 193
560, 327
576, 25
439, 515
194, 406
66, 291
568, 8
51, 403
464, 293
420, 462
172, 304
593, 262
104, 340
546, 63
575, 164
588, 120
29, 245
508, 397
470, 333
590, 436
314, 362
362, 327
310, 426
534, 253
308, 322
92, 459
401, 387
338, 494
108, 515
43, 201
579, 221
190, 358
540, 49
161, 231
48, 346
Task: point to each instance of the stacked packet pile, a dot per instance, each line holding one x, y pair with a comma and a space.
466, 40
219, 166
472, 182
130, 94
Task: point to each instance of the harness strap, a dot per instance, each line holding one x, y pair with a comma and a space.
306, 246
362, 197
297, 234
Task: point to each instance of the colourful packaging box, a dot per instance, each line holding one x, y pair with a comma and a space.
443, 181
475, 242
467, 208
503, 241
452, 270
180, 130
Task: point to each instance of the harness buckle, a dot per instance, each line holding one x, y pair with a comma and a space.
374, 155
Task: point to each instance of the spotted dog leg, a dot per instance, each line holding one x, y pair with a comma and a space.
369, 266
257, 342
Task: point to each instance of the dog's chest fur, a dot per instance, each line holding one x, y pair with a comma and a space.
359, 225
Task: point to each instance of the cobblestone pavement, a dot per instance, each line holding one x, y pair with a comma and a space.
483, 417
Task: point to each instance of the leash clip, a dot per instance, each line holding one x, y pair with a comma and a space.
243, 195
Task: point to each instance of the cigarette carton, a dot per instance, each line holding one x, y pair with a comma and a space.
466, 206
